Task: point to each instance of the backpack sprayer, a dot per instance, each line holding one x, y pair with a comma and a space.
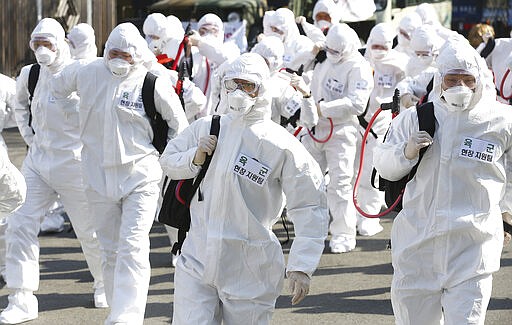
394, 106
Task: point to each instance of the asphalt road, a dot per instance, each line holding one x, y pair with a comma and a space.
351, 288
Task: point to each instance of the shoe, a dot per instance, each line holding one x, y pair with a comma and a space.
342, 244
100, 299
369, 227
23, 306
53, 222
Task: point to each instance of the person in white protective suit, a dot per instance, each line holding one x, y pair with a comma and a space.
495, 53
212, 52
420, 71
12, 194
165, 34
299, 50
231, 266
406, 27
388, 69
51, 168
120, 162
288, 91
82, 42
341, 87
429, 16
325, 13
7, 106
447, 239
235, 30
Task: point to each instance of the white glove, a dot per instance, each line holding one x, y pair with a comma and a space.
194, 38
318, 47
298, 83
408, 100
300, 19
418, 140
486, 37
206, 146
299, 285
260, 37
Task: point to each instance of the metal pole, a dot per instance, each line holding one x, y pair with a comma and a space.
39, 5
89, 12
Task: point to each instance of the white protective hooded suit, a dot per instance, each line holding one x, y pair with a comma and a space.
341, 86
388, 71
52, 167
407, 25
298, 49
231, 267
82, 42
447, 240
121, 165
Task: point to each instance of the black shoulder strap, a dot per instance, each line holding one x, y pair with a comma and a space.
427, 122
489, 47
158, 124
214, 130
33, 77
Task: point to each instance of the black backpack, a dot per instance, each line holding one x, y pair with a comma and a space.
158, 124
395, 189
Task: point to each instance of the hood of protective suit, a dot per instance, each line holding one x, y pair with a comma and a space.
428, 14
381, 34
176, 34
252, 67
126, 37
327, 6
408, 24
212, 20
457, 54
425, 38
83, 42
156, 24
342, 38
51, 29
282, 19
272, 49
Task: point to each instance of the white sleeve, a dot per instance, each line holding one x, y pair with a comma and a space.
306, 204
12, 186
168, 104
218, 54
313, 33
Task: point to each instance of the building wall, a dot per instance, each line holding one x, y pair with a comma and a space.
19, 17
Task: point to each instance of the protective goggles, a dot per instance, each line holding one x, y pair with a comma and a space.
246, 86
455, 78
404, 33
208, 29
332, 51
47, 42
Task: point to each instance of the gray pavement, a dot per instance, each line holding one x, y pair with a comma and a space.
350, 288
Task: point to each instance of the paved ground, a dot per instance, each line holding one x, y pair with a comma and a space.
349, 288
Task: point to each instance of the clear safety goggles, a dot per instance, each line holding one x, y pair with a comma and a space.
120, 54
453, 78
332, 51
39, 41
404, 33
246, 86
208, 29
276, 30
421, 54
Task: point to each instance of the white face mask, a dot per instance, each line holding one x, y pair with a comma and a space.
322, 24
404, 42
280, 36
425, 60
379, 54
333, 58
240, 102
119, 67
457, 98
45, 56
155, 45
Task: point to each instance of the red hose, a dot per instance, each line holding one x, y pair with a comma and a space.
328, 137
178, 55
502, 84
356, 184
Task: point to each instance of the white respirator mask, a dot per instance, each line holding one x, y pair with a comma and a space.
322, 24
240, 102
403, 41
119, 67
379, 54
457, 98
45, 56
425, 60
